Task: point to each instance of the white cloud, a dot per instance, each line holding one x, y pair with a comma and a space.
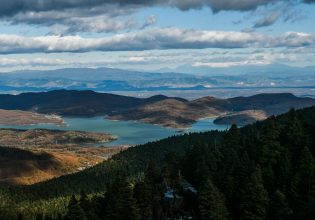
9, 62
231, 64
169, 38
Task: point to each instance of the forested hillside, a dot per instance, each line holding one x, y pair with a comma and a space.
261, 171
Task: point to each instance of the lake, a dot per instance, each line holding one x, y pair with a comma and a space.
128, 132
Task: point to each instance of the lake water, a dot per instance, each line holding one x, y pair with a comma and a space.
128, 132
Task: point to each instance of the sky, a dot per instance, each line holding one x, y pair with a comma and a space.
155, 34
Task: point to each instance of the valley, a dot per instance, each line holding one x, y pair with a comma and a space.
234, 150
157, 110
92, 127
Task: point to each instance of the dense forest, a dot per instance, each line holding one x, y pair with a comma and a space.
262, 171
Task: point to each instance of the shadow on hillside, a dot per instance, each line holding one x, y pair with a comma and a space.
18, 163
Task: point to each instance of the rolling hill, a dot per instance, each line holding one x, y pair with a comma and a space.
162, 110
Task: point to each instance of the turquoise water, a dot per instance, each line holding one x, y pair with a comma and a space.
128, 132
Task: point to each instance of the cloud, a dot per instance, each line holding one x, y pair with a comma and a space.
12, 7
231, 64
99, 20
286, 11
152, 39
99, 24
9, 62
268, 19
151, 20
72, 16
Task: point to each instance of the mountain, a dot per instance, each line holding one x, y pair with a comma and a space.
185, 78
101, 79
267, 166
270, 70
175, 113
72, 103
162, 110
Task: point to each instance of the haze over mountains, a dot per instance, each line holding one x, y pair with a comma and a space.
116, 80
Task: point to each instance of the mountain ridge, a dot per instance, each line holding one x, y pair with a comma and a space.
119, 80
162, 110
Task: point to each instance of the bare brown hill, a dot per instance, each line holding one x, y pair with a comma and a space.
162, 110
240, 110
24, 167
32, 156
17, 117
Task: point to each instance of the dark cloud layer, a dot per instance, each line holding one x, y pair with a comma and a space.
75, 15
12, 7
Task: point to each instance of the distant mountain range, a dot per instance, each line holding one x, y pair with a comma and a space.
182, 78
271, 69
162, 110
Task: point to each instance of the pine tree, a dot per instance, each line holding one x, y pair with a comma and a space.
254, 198
279, 207
84, 201
293, 135
306, 173
20, 216
197, 164
75, 212
152, 174
270, 145
211, 202
144, 199
110, 202
127, 206
40, 216
86, 206
233, 138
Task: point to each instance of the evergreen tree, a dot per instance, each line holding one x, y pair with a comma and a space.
152, 174
197, 164
254, 198
270, 145
20, 216
110, 202
40, 216
211, 202
143, 197
233, 138
306, 174
279, 207
84, 201
293, 135
75, 212
87, 207
127, 205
